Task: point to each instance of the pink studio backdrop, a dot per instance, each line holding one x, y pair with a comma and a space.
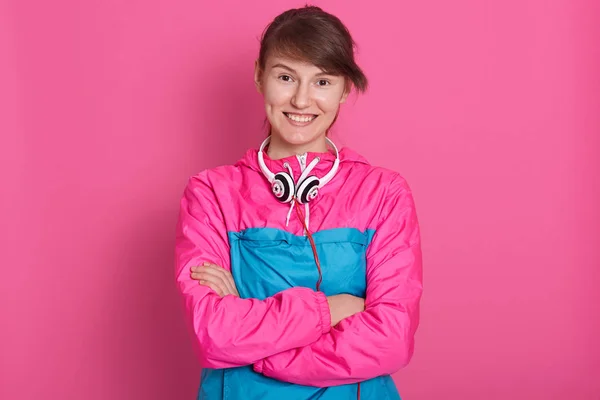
489, 108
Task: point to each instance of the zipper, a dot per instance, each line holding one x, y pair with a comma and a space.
302, 160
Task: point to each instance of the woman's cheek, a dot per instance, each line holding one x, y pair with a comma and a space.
328, 102
278, 96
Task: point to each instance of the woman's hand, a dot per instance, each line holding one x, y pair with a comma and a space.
343, 306
217, 278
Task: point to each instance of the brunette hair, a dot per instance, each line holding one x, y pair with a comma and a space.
312, 35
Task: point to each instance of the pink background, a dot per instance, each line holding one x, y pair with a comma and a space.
489, 108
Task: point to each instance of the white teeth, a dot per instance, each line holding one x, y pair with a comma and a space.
298, 118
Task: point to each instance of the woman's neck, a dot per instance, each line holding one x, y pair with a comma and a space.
279, 149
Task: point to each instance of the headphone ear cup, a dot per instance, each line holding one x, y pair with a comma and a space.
308, 189
283, 187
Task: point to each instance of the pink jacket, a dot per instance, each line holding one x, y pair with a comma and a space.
365, 224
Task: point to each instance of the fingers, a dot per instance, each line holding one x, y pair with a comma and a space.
228, 279
205, 278
215, 277
222, 275
217, 288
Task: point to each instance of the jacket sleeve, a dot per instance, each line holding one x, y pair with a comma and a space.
231, 331
379, 340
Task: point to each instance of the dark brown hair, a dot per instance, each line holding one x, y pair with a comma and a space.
312, 35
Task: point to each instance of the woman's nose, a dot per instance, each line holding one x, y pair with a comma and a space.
301, 98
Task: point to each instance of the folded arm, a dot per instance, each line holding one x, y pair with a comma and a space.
231, 331
378, 341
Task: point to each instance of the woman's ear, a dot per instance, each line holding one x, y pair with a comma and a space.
258, 77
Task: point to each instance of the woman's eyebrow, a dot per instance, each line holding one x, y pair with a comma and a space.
284, 67
293, 71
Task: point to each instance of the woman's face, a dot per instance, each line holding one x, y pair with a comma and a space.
301, 101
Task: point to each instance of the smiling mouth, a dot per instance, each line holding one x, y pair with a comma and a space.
301, 118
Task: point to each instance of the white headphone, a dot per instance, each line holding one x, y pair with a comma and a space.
283, 185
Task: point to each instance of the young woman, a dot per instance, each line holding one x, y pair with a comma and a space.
300, 265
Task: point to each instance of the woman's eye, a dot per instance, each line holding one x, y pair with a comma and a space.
285, 78
323, 82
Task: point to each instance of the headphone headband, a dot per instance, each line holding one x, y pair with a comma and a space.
280, 188
271, 176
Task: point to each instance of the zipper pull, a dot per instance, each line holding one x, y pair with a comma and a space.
302, 159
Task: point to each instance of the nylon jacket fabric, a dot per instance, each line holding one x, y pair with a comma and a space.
276, 340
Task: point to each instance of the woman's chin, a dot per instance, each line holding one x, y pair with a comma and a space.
299, 137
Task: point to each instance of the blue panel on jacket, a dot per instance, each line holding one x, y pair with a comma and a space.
265, 261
